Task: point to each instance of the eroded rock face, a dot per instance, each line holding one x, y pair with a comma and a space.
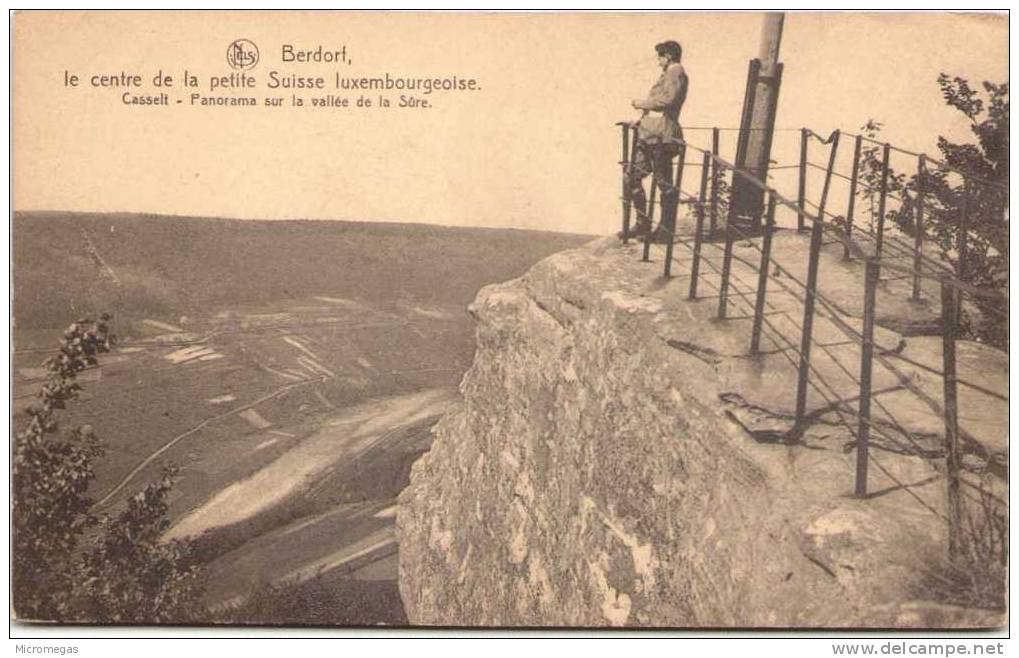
602, 471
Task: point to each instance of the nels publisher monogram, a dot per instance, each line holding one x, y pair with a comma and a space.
242, 54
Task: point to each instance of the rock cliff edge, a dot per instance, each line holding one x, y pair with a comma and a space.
618, 459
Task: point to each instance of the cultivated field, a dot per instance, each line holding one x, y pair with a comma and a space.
292, 369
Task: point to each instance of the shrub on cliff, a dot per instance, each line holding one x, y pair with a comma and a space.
126, 574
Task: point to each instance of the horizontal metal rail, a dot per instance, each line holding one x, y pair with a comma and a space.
839, 233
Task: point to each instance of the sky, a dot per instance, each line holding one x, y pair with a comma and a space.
534, 147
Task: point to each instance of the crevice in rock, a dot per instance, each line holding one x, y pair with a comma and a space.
705, 354
578, 305
821, 565
550, 314
786, 434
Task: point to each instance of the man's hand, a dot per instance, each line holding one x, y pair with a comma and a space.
638, 104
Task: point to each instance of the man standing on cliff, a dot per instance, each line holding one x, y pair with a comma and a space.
659, 121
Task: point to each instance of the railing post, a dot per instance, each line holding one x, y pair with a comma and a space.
634, 145
801, 196
656, 150
625, 162
873, 275
882, 198
714, 181
723, 289
963, 231
949, 304
921, 171
827, 176
816, 235
680, 162
695, 265
961, 271
854, 178
762, 276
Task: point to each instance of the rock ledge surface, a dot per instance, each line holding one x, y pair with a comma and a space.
614, 462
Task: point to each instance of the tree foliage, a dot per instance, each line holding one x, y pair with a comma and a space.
965, 200
129, 575
126, 573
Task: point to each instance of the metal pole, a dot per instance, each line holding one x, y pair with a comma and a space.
962, 270
748, 106
828, 174
695, 265
723, 291
949, 303
852, 194
714, 181
681, 161
921, 171
757, 129
963, 231
866, 364
882, 198
762, 276
626, 179
646, 257
634, 143
801, 196
745, 198
808, 320
816, 236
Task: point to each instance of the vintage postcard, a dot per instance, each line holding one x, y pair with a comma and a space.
655, 320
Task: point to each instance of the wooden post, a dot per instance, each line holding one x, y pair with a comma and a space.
801, 196
949, 304
873, 275
921, 171
882, 198
816, 234
695, 265
625, 162
762, 276
714, 181
852, 195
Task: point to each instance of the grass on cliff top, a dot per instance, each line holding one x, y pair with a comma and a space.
977, 575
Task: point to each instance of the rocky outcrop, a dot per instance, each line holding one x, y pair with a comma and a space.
618, 459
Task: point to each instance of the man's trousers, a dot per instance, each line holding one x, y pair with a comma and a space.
657, 160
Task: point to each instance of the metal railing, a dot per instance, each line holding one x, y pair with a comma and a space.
707, 206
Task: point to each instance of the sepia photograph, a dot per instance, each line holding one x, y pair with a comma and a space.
459, 322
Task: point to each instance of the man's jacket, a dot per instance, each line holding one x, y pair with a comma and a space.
664, 101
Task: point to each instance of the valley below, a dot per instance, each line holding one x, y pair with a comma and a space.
294, 413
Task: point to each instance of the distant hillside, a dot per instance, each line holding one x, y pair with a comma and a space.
164, 266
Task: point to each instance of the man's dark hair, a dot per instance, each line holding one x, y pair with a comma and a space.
670, 49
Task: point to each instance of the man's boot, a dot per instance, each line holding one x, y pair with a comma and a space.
662, 235
643, 225
639, 230
666, 230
